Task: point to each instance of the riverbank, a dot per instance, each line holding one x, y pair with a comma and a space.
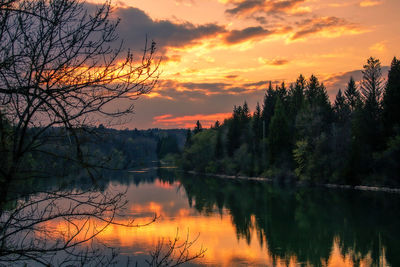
334, 186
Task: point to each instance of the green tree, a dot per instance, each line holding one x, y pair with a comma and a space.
167, 145
268, 109
257, 128
391, 101
219, 147
278, 135
372, 82
234, 131
341, 109
188, 141
352, 95
371, 90
296, 96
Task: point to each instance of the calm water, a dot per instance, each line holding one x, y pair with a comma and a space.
244, 223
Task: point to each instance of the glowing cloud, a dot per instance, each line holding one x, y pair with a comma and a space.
273, 62
370, 3
188, 121
379, 47
328, 27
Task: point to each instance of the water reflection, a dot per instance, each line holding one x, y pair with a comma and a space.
257, 224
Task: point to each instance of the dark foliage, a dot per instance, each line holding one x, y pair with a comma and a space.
299, 133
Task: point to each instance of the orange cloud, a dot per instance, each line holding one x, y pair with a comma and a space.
379, 47
188, 121
238, 36
326, 27
370, 3
273, 62
248, 7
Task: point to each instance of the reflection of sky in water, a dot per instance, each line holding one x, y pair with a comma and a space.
216, 230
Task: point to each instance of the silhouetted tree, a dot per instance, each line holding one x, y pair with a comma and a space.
278, 134
257, 128
371, 90
296, 97
198, 128
391, 101
61, 65
341, 109
352, 95
268, 109
372, 82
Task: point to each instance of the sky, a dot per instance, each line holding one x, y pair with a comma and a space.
219, 53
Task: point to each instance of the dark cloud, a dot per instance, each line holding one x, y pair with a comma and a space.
245, 6
135, 25
279, 62
261, 20
237, 36
260, 83
148, 108
270, 7
340, 80
315, 25
231, 76
214, 87
176, 91
237, 90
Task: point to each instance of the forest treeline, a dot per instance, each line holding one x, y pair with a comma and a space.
99, 147
297, 133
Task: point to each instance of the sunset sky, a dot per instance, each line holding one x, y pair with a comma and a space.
220, 53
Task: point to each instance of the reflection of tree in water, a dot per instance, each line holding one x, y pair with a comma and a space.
55, 220
304, 222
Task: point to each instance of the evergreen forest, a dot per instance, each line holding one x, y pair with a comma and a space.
297, 134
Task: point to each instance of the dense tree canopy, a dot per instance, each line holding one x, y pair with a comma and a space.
298, 133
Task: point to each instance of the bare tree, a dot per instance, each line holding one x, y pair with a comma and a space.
60, 228
61, 65
173, 252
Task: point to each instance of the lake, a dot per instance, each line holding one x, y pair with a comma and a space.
252, 223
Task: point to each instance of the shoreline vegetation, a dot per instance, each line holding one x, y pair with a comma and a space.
333, 186
298, 135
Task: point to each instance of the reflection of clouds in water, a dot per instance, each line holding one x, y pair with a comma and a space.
219, 232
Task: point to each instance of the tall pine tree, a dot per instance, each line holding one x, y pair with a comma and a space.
391, 101
278, 135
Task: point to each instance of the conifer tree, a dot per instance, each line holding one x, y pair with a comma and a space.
198, 128
391, 100
372, 82
257, 124
268, 109
317, 99
282, 92
278, 133
233, 135
371, 90
352, 95
341, 108
245, 115
296, 96
257, 130
312, 91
